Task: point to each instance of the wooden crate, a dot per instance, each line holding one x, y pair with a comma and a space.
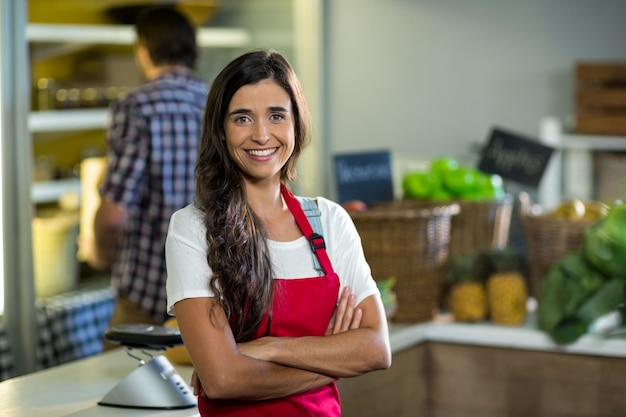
601, 98
610, 176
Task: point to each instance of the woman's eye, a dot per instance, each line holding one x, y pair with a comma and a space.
242, 119
277, 117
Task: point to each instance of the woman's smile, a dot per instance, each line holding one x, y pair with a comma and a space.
262, 152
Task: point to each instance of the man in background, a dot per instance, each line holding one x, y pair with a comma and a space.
152, 143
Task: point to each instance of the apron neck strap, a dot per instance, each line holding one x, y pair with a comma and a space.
318, 246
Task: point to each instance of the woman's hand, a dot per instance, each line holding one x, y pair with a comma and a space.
346, 316
196, 384
357, 342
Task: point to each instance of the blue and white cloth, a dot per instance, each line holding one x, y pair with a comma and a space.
69, 327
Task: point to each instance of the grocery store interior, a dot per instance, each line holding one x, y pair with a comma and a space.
422, 83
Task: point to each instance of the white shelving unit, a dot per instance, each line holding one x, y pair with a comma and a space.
571, 172
208, 37
51, 191
53, 39
56, 38
67, 120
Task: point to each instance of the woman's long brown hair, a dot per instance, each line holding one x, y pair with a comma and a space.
237, 249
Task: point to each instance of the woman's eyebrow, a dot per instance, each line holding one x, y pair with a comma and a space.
239, 111
279, 108
246, 111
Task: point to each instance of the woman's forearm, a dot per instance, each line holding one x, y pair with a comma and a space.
344, 355
266, 380
223, 372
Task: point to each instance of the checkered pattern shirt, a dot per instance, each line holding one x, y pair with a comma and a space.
152, 144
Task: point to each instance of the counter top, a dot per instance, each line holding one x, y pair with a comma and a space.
74, 389
486, 334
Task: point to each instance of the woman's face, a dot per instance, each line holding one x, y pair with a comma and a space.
260, 131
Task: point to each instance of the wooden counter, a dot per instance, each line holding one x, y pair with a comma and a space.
439, 369
466, 370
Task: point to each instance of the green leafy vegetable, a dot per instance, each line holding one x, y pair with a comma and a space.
605, 243
569, 331
603, 301
585, 285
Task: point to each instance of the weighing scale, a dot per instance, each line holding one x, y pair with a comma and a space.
155, 384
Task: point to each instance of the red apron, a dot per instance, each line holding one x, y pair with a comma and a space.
300, 307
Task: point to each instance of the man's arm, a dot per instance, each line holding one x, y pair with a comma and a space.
109, 225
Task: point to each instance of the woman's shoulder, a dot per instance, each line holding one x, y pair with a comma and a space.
327, 205
332, 211
186, 219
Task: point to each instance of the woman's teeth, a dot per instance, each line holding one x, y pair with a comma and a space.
262, 152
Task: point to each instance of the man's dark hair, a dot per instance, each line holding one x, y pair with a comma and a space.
168, 36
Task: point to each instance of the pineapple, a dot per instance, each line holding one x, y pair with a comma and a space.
506, 289
467, 297
468, 301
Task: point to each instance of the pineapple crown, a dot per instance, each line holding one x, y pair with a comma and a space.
478, 265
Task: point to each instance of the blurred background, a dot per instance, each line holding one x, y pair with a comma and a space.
421, 79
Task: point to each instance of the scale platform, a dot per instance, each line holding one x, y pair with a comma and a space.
155, 384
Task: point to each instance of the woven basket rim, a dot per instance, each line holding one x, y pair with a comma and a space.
396, 211
554, 221
504, 200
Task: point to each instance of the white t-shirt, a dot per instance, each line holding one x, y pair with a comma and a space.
188, 272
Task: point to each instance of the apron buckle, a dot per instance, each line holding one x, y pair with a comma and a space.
317, 241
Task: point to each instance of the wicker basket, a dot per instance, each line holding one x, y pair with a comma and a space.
481, 224
410, 242
549, 239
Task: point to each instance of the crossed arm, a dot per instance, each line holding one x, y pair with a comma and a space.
356, 342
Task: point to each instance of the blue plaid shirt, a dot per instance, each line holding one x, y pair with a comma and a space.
152, 144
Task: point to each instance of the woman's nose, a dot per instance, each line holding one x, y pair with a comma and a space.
261, 133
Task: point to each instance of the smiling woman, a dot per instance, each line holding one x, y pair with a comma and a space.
272, 292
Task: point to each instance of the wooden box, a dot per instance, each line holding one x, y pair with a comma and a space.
610, 176
601, 98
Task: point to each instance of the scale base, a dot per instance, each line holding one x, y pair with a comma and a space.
155, 385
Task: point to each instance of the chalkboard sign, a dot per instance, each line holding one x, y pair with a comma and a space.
364, 176
515, 157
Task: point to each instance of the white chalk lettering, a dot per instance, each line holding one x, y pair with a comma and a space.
507, 160
347, 173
